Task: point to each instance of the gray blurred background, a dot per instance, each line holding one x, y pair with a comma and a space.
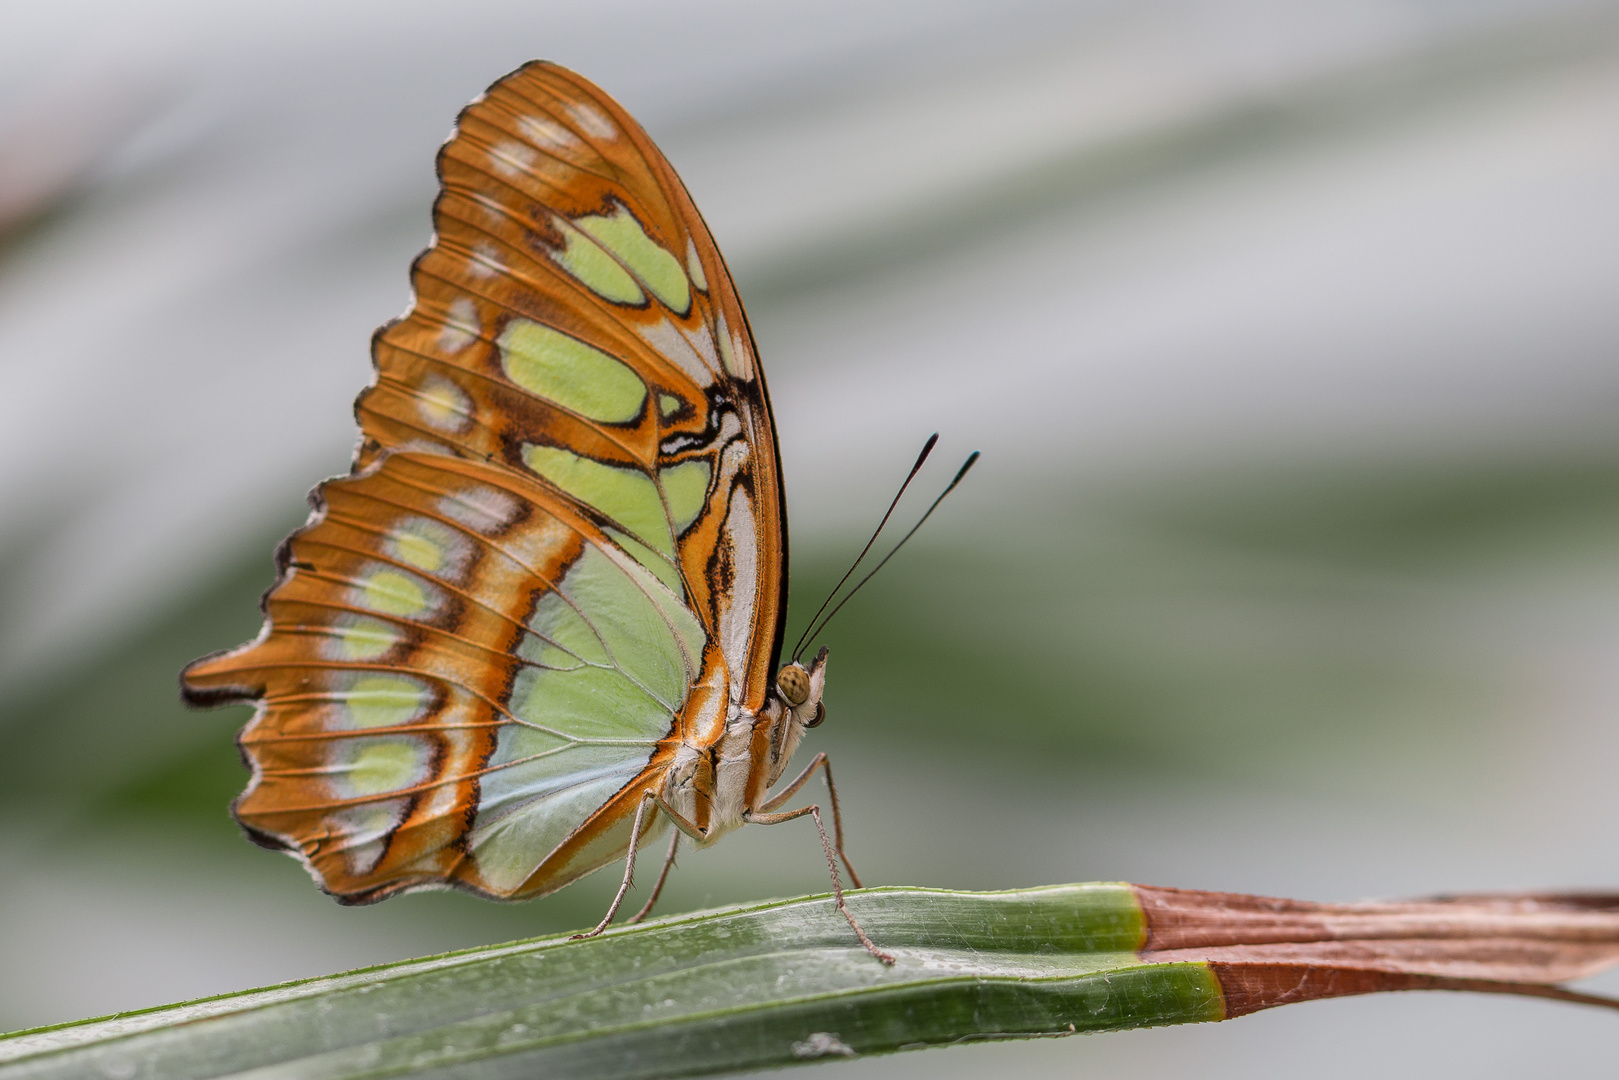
1288, 332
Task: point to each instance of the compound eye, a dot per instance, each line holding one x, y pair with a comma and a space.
794, 684
820, 714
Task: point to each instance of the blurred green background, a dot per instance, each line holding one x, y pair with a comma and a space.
1291, 565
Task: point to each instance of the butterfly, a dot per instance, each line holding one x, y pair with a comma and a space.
537, 623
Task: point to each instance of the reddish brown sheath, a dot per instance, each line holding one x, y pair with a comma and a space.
1265, 951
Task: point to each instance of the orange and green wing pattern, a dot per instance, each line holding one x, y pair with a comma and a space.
562, 548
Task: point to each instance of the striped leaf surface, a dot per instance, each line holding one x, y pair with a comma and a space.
783, 982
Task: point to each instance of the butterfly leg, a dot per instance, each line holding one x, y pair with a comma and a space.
823, 763
668, 864
758, 818
629, 867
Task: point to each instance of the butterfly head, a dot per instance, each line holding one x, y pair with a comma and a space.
800, 689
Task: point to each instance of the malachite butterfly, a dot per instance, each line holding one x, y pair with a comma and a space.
537, 621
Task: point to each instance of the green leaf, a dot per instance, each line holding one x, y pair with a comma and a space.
784, 982
747, 987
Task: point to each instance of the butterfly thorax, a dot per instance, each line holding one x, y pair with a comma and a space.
715, 787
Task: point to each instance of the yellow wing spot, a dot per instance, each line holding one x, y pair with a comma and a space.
461, 328
590, 264
729, 351
694, 266
726, 355
418, 550
364, 639
393, 593
628, 496
622, 235
383, 701
441, 404
668, 405
565, 370
685, 486
430, 546
375, 765
662, 567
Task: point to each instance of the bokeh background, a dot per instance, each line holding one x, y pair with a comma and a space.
1288, 331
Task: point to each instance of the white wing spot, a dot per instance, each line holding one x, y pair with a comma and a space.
666, 338
592, 120
364, 830
736, 614
423, 446
545, 133
512, 158
485, 261
483, 509
461, 328
703, 341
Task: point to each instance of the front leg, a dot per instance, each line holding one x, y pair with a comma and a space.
822, 762
682, 823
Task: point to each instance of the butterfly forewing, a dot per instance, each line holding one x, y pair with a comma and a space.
562, 548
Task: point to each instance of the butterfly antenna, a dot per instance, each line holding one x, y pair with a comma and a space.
971, 459
927, 448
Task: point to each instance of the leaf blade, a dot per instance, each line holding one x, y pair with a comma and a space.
783, 982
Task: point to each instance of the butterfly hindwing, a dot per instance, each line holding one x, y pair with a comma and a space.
456, 664
562, 548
